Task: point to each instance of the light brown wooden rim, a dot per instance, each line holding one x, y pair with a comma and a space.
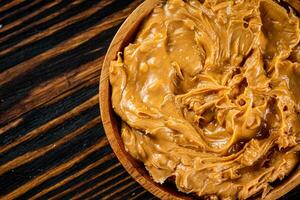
134, 168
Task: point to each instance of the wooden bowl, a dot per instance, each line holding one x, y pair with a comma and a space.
111, 122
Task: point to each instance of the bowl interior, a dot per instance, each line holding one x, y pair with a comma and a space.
111, 122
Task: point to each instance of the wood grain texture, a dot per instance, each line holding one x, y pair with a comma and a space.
52, 142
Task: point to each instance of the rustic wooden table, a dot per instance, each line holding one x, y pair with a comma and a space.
52, 143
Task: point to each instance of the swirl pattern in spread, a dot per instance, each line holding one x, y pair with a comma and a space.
209, 95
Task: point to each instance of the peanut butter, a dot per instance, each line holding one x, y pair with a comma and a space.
209, 95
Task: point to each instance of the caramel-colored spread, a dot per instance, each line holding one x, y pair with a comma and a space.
209, 95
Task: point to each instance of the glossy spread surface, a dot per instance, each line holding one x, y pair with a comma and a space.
209, 95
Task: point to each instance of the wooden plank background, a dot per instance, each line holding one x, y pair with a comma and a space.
52, 143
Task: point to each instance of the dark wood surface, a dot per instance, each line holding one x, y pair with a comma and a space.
52, 143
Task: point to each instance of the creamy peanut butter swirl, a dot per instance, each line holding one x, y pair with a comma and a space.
209, 95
